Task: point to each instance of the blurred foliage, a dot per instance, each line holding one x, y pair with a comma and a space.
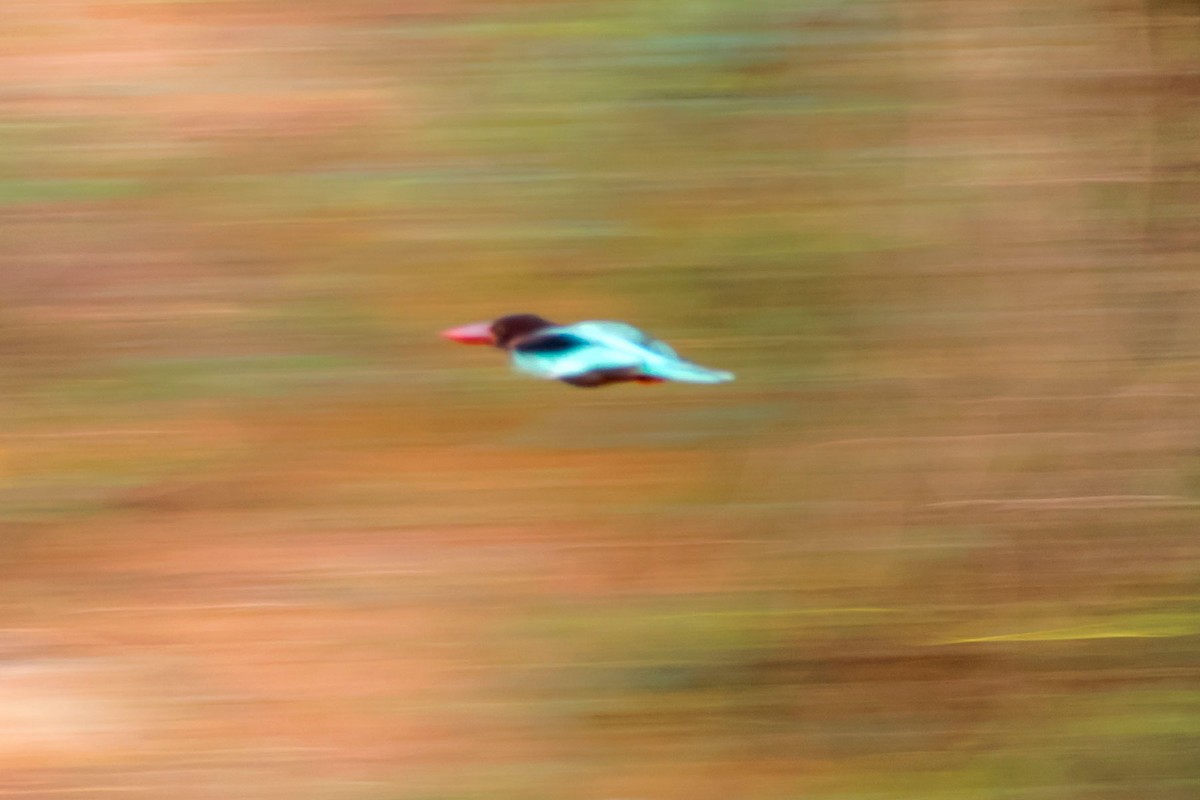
268, 536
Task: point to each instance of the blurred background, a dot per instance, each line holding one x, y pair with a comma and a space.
266, 536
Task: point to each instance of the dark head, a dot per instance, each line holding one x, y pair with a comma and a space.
502, 332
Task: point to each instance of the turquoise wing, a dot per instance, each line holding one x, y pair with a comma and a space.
654, 358
603, 329
562, 354
594, 347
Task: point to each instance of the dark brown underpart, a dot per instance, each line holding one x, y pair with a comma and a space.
603, 377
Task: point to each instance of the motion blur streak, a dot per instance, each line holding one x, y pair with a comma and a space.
266, 535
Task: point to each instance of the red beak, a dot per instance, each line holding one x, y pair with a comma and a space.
475, 333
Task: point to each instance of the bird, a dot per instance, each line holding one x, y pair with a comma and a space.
584, 354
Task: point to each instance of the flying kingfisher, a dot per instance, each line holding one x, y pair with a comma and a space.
584, 354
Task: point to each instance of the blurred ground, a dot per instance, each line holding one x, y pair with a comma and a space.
267, 537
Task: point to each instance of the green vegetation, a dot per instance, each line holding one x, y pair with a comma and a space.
268, 536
